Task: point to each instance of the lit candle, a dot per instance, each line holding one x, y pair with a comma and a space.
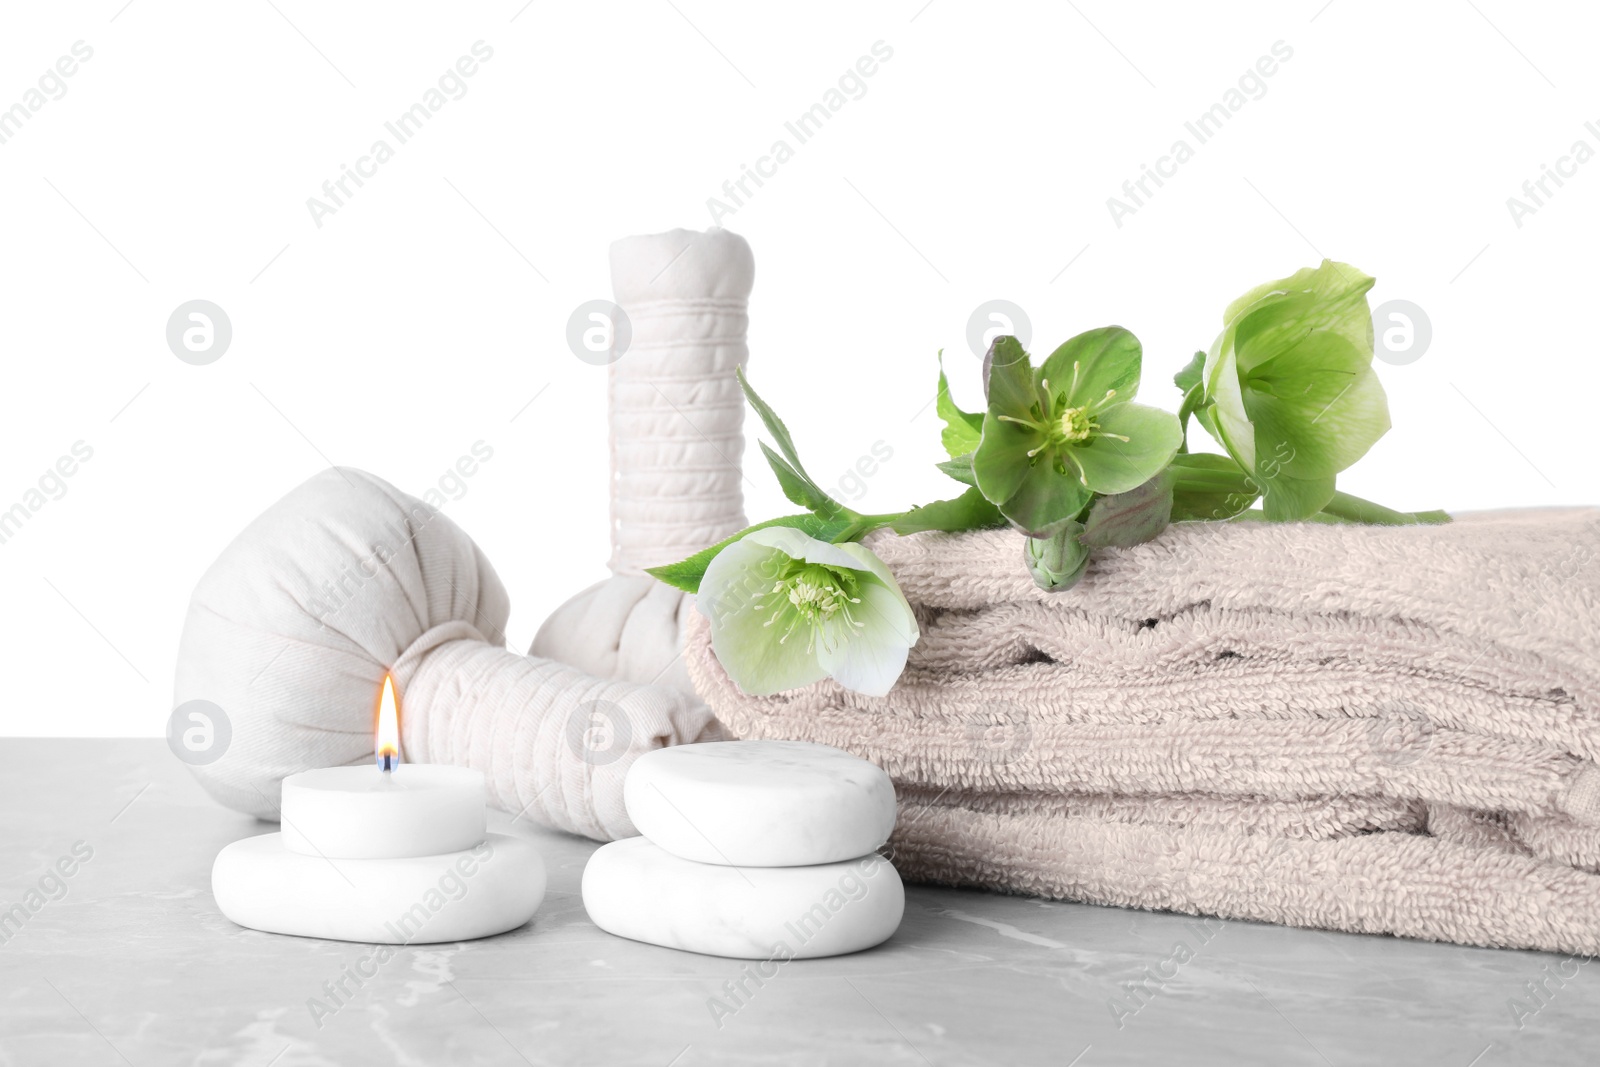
393, 854
388, 811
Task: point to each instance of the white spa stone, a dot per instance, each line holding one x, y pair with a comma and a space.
417, 809
760, 803
488, 889
637, 890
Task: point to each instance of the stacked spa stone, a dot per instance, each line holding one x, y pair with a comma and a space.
751, 849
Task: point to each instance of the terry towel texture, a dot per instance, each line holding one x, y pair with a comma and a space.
1377, 729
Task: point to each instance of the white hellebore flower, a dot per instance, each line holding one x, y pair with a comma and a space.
788, 610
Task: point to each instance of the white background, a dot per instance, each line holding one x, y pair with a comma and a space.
427, 312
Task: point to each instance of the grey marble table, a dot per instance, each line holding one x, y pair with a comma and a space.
128, 961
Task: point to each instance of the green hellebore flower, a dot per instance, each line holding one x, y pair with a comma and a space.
788, 610
1054, 436
1289, 386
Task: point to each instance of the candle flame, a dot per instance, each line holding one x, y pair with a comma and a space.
387, 749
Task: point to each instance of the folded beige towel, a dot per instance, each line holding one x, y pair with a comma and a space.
1383, 729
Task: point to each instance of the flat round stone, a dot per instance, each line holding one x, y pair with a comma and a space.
635, 889
760, 803
492, 887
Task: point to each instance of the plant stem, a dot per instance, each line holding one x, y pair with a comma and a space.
861, 525
1347, 508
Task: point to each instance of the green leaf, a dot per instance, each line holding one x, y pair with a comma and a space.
1192, 373
962, 429
1093, 364
1130, 518
797, 485
686, 573
774, 425
800, 489
969, 511
960, 469
1208, 487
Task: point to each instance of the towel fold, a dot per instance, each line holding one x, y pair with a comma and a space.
1382, 729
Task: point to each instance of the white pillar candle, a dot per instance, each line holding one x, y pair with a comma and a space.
417, 809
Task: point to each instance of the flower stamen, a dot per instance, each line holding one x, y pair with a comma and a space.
1075, 426
1029, 423
815, 595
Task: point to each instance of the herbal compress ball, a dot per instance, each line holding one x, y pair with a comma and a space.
292, 629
